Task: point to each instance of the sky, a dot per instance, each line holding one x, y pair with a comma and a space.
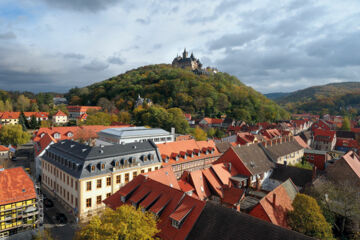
272, 46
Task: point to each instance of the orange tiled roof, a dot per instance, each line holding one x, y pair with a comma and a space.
200, 185
165, 176
82, 108
43, 143
59, 113
15, 186
222, 172
170, 150
37, 114
353, 160
10, 115
232, 195
213, 120
213, 181
3, 148
301, 142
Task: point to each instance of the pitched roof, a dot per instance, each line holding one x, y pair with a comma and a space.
43, 143
200, 185
217, 222
165, 176
167, 202
222, 172
232, 195
15, 186
346, 142
277, 149
213, 120
323, 135
3, 148
353, 160
253, 158
301, 142
223, 146
59, 113
184, 149
299, 176
10, 115
277, 203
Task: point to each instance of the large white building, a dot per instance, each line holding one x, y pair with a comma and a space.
136, 134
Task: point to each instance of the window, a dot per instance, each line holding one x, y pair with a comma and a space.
98, 183
142, 171
108, 195
92, 168
102, 166
88, 186
175, 223
108, 181
149, 169
67, 193
67, 180
88, 202
118, 179
134, 174
126, 177
72, 199
76, 185
76, 202
156, 168
72, 183
98, 200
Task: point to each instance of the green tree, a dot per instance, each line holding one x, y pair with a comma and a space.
211, 132
33, 124
34, 107
307, 218
23, 121
8, 105
98, 118
126, 223
13, 134
346, 125
199, 134
2, 106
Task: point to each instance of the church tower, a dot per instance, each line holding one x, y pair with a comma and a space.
185, 53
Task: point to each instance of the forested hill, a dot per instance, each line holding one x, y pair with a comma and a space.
335, 98
201, 95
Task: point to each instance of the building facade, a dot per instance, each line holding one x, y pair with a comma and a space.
187, 62
59, 118
77, 111
136, 134
20, 203
82, 176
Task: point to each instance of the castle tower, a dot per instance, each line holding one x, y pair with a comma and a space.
185, 53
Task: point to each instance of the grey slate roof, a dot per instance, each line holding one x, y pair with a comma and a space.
299, 176
81, 157
254, 158
285, 148
217, 222
223, 146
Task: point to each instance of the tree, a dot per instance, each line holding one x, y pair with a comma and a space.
98, 118
126, 223
23, 103
13, 134
199, 134
8, 105
45, 123
33, 124
106, 105
124, 117
211, 132
308, 219
43, 235
23, 121
346, 125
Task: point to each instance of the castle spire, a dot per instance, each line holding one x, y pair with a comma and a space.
185, 53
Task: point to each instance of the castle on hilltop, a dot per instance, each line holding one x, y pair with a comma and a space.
187, 62
192, 63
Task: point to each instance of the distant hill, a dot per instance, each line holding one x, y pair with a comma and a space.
334, 98
200, 95
276, 95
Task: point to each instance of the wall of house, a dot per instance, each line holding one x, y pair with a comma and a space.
317, 159
60, 119
291, 158
259, 212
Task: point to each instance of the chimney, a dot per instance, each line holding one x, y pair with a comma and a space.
314, 172
270, 143
280, 140
264, 143
274, 199
173, 131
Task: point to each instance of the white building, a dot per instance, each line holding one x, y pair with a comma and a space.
59, 118
136, 134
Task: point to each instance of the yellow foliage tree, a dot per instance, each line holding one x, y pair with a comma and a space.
125, 223
199, 134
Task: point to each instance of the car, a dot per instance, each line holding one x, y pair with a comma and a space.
61, 218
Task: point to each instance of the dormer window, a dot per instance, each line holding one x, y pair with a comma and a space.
152, 157
102, 166
117, 163
123, 199
43, 134
70, 134
175, 223
57, 135
93, 168
145, 158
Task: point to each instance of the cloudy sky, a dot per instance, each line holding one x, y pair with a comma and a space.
273, 46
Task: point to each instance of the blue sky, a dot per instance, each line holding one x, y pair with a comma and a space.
273, 46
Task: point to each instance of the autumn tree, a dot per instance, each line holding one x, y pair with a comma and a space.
8, 105
126, 223
307, 218
98, 118
124, 117
199, 134
346, 125
23, 103
43, 234
13, 134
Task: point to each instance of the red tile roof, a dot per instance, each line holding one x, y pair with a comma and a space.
59, 114
165, 176
172, 149
232, 195
170, 203
198, 181
185, 186
301, 142
82, 108
222, 172
77, 131
275, 205
3, 148
10, 115
346, 142
43, 143
213, 120
36, 114
15, 186
323, 135
213, 180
